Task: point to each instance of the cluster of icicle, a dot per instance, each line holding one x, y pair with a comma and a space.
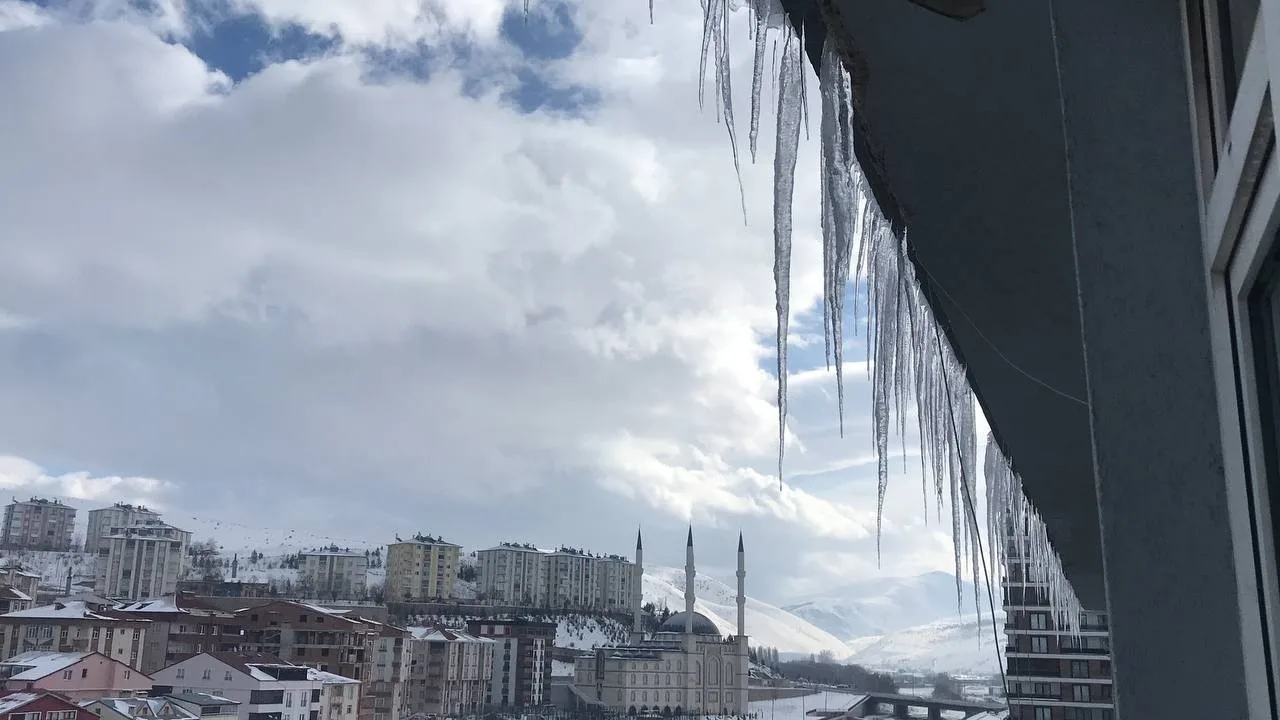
912, 367
1017, 533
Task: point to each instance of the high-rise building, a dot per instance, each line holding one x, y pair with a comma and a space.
521, 574
1053, 674
118, 515
333, 574
521, 660
38, 524
141, 561
424, 568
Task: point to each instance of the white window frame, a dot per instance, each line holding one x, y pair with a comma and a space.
1240, 218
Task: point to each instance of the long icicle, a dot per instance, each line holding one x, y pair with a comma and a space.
784, 169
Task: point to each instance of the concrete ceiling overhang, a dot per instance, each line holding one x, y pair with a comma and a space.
963, 142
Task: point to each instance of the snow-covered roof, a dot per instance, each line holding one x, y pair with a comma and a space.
34, 665
440, 634
146, 708
334, 553
203, 699
73, 610
329, 678
13, 701
9, 592
162, 605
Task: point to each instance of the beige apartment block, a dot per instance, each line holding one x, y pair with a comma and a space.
38, 524
102, 520
423, 568
141, 561
333, 574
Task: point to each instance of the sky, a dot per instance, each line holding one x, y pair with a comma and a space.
378, 267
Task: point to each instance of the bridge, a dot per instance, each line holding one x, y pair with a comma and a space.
900, 706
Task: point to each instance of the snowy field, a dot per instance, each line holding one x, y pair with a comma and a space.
795, 708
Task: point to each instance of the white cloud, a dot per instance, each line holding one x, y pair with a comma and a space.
310, 298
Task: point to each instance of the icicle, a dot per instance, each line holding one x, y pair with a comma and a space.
526, 11
650, 12
757, 77
1018, 533
784, 169
715, 38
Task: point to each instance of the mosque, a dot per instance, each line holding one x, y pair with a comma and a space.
686, 668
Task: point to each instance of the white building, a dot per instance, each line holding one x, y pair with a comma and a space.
339, 697
334, 574
686, 667
141, 561
391, 661
517, 574
73, 626
102, 520
264, 686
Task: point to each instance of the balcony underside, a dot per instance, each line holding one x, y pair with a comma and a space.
965, 125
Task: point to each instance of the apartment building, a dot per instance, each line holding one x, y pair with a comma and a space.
205, 705
38, 524
141, 561
80, 676
265, 687
384, 691
1053, 675
175, 632
102, 520
334, 574
450, 673
521, 574
73, 626
423, 568
339, 697
521, 660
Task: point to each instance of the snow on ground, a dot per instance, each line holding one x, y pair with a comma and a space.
559, 668
795, 708
584, 632
52, 566
961, 645
767, 625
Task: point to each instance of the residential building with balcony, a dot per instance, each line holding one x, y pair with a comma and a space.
265, 687
384, 691
80, 676
74, 626
521, 660
340, 696
451, 672
141, 561
513, 574
33, 704
421, 569
26, 582
38, 524
1053, 673
175, 632
333, 574
102, 520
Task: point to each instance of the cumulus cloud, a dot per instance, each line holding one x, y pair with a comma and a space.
326, 295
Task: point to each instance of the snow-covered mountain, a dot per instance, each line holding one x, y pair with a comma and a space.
958, 645
885, 605
767, 625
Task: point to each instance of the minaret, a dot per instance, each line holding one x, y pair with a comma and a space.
689, 575
637, 594
740, 682
742, 588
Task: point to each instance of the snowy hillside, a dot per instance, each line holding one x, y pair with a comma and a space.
238, 539
584, 632
766, 625
875, 607
960, 645
53, 566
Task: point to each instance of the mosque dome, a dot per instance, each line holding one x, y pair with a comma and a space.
702, 625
